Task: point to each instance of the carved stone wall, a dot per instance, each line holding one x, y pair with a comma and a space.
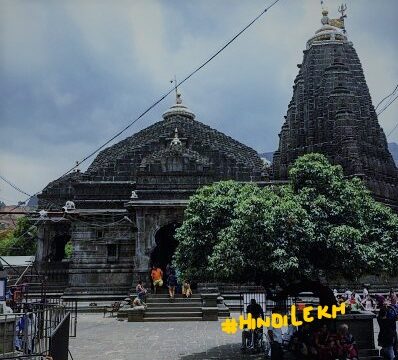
103, 256
331, 112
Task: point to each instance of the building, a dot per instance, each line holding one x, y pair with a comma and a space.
331, 112
121, 214
128, 203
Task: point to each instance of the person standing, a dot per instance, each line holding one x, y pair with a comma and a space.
365, 293
276, 339
392, 297
387, 335
256, 311
347, 294
157, 277
172, 283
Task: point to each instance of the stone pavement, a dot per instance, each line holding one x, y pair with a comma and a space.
101, 338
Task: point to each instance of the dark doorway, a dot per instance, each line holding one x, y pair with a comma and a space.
165, 247
59, 247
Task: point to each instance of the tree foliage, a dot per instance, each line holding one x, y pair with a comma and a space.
68, 250
321, 224
19, 241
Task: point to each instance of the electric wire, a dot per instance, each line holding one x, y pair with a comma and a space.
384, 109
170, 91
78, 163
386, 97
387, 106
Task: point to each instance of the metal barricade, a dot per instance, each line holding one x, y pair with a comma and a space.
267, 305
29, 332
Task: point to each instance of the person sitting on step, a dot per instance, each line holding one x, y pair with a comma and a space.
186, 289
141, 291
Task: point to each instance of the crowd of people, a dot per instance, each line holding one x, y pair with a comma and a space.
174, 285
320, 342
386, 308
366, 301
323, 341
310, 341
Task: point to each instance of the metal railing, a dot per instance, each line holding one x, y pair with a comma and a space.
267, 305
28, 332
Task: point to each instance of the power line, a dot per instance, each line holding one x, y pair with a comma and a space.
386, 97
14, 186
170, 91
393, 129
387, 106
48, 203
78, 163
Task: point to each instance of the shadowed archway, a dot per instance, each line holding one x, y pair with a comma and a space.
166, 244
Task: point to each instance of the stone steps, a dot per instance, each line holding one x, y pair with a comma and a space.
161, 308
150, 300
369, 354
180, 304
170, 319
177, 296
174, 309
178, 314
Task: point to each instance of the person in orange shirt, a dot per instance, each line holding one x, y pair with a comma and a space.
156, 275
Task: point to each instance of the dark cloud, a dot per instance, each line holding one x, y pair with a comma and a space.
72, 73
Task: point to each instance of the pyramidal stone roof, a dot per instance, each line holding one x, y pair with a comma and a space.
224, 156
331, 112
176, 152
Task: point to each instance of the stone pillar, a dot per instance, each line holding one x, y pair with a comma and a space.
209, 306
361, 327
136, 314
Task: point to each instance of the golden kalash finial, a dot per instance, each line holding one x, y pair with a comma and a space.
339, 23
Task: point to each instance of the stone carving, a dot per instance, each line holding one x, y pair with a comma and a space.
69, 205
331, 112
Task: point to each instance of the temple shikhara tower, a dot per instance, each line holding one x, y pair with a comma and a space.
120, 215
331, 112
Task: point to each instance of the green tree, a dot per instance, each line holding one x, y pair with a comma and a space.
209, 211
354, 234
322, 224
19, 241
68, 250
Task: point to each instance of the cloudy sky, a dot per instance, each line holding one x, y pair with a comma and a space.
73, 73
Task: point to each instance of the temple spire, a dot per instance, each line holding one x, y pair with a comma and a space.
178, 94
176, 142
342, 9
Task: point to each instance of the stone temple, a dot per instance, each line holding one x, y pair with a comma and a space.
331, 112
121, 214
128, 203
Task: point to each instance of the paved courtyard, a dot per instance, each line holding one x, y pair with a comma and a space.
107, 338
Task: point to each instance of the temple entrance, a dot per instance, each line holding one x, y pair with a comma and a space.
59, 244
165, 247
